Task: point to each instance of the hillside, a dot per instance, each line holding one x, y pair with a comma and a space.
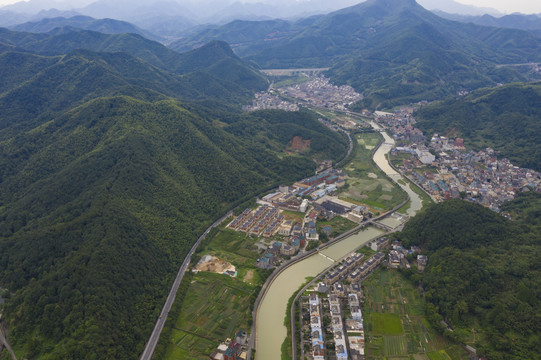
110, 168
106, 26
65, 40
506, 118
394, 52
483, 275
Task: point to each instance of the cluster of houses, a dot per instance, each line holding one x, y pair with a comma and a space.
317, 186
355, 328
347, 333
351, 270
265, 221
337, 328
320, 92
316, 328
266, 100
232, 349
398, 257
480, 177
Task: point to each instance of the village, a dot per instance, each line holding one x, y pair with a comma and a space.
284, 224
281, 238
331, 311
446, 170
317, 91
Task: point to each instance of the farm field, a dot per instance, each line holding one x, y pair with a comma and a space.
367, 185
215, 307
395, 324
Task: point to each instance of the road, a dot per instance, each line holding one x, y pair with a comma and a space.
150, 346
4, 341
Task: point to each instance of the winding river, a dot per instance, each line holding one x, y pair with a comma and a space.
270, 329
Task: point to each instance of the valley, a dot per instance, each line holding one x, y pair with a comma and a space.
360, 181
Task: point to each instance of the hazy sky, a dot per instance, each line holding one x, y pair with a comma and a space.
504, 6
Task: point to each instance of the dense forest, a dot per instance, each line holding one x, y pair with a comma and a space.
110, 168
483, 275
507, 119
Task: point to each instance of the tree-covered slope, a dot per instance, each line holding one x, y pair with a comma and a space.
106, 26
506, 118
483, 274
109, 172
149, 51
394, 52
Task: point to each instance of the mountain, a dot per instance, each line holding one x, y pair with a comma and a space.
506, 118
106, 26
65, 40
490, 301
513, 21
394, 52
110, 168
453, 7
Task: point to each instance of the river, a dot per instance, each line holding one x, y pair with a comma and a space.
270, 329
380, 158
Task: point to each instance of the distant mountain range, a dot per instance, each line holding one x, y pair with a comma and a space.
106, 26
531, 23
392, 51
170, 19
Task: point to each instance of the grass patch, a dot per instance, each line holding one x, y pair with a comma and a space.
338, 224
386, 324
293, 215
378, 193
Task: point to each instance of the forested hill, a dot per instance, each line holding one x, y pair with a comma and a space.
215, 58
483, 274
106, 26
109, 171
393, 51
506, 118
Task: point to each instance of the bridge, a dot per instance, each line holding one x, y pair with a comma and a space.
325, 256
382, 226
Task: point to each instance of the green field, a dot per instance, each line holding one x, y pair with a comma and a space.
215, 307
386, 324
395, 324
338, 225
366, 183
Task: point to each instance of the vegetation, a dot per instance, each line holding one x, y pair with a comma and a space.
482, 276
395, 52
505, 119
338, 225
395, 324
110, 171
215, 307
366, 183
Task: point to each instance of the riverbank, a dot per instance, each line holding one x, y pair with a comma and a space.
272, 351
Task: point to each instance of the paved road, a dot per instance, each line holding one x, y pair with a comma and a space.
150, 346
5, 343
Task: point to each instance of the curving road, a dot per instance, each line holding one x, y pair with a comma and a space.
4, 341
150, 346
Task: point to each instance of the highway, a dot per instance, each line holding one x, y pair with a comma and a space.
150, 346
4, 341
